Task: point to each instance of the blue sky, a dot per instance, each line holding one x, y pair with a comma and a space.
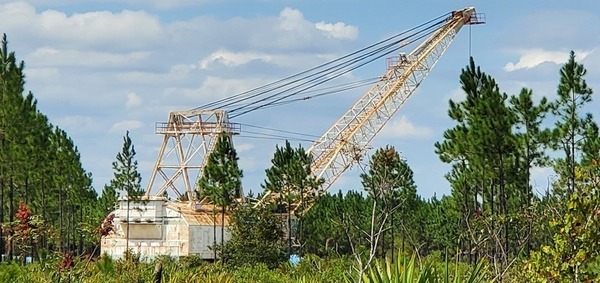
100, 68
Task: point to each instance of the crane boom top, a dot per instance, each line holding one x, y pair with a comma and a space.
345, 143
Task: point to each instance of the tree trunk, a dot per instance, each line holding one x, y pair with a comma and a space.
393, 239
43, 196
68, 228
572, 141
289, 224
81, 247
222, 225
26, 189
214, 235
127, 233
2, 243
503, 199
11, 215
60, 221
529, 196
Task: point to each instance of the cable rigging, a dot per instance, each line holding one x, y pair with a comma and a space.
322, 78
276, 93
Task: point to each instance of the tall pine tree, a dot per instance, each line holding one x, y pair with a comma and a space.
221, 180
289, 177
568, 134
126, 177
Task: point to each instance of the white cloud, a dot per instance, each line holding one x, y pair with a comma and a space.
171, 4
338, 30
47, 56
41, 74
244, 147
531, 58
76, 123
232, 59
127, 125
291, 31
402, 128
214, 88
101, 29
457, 94
133, 100
292, 20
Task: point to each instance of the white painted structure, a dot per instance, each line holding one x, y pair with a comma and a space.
161, 227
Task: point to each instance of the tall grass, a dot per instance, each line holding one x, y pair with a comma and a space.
311, 269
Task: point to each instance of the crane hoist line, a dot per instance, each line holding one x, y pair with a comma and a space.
190, 136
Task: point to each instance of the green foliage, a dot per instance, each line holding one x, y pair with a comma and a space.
293, 187
576, 243
10, 272
221, 178
192, 261
573, 94
403, 270
126, 177
106, 265
335, 222
221, 181
40, 166
389, 182
108, 200
256, 237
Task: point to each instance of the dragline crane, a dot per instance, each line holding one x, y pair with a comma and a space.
154, 226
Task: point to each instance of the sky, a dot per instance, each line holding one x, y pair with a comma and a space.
101, 68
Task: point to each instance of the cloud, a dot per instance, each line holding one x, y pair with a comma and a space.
457, 94
293, 20
74, 123
100, 29
42, 74
290, 31
404, 129
213, 88
244, 147
133, 100
127, 125
531, 58
171, 4
47, 56
232, 59
338, 30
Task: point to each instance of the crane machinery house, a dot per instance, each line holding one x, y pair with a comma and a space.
160, 227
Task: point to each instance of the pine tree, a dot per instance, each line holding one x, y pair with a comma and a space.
126, 177
590, 148
221, 179
573, 94
256, 237
389, 181
532, 140
483, 150
108, 200
39, 163
289, 177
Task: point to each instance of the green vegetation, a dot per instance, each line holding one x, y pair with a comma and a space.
221, 180
492, 226
311, 269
